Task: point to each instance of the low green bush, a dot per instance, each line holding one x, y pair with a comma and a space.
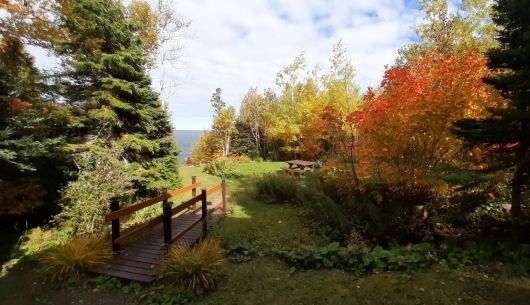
221, 168
328, 217
38, 239
363, 260
85, 201
278, 188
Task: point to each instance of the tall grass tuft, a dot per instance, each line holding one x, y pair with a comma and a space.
199, 268
75, 256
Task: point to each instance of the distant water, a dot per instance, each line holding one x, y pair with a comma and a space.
185, 141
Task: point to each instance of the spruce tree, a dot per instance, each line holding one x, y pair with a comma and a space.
30, 139
108, 86
507, 130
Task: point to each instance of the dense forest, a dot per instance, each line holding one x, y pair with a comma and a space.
430, 170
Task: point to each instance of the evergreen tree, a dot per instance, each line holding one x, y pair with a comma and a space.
29, 135
109, 87
507, 130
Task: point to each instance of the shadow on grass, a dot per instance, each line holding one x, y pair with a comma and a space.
263, 281
253, 224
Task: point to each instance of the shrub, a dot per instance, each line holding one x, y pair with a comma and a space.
278, 188
78, 255
362, 260
207, 149
241, 159
221, 168
199, 268
329, 216
37, 240
85, 201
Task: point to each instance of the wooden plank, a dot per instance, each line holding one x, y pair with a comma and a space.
301, 163
141, 254
132, 262
158, 251
134, 269
128, 210
179, 235
181, 207
138, 232
149, 246
185, 189
293, 171
127, 275
143, 259
214, 189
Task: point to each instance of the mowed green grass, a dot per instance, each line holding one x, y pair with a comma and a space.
251, 223
265, 280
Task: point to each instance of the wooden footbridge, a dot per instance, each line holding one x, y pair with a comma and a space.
139, 253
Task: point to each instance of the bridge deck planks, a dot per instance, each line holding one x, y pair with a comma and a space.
141, 260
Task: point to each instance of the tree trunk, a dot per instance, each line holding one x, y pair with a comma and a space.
517, 185
226, 146
256, 135
521, 168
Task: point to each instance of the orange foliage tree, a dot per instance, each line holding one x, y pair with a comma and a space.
405, 131
339, 135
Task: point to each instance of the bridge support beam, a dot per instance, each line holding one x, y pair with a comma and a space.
204, 206
115, 225
166, 207
194, 190
223, 194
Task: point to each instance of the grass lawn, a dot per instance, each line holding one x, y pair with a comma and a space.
270, 282
253, 224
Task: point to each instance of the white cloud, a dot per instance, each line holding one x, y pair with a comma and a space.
239, 44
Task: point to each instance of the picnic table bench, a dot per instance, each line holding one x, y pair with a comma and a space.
293, 171
297, 167
301, 164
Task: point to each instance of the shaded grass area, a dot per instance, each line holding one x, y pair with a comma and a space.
250, 223
254, 224
26, 284
270, 282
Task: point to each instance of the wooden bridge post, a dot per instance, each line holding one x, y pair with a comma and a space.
166, 207
194, 191
223, 194
204, 206
115, 225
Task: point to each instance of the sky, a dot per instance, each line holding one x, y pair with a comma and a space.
238, 44
235, 45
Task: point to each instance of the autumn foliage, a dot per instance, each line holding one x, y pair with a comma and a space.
405, 130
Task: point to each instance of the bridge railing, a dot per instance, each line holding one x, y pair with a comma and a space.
168, 212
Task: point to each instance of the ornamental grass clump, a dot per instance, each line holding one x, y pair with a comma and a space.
77, 255
199, 268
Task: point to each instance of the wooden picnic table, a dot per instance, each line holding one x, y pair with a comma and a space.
301, 164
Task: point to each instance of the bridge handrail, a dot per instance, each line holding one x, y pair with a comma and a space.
133, 208
168, 212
